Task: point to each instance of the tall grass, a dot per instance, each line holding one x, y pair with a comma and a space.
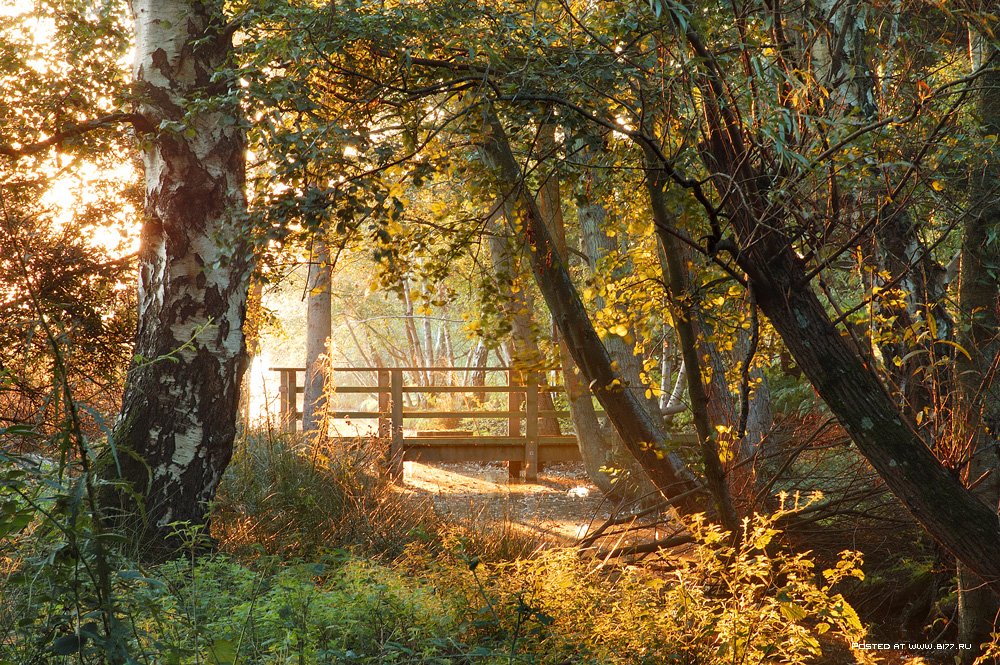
296, 497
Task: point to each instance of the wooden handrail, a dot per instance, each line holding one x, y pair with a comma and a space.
529, 448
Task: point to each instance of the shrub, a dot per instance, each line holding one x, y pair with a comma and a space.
719, 602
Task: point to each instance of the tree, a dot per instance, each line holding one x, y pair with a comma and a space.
318, 332
174, 436
780, 281
978, 381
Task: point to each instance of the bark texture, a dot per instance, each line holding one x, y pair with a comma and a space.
319, 327
609, 465
684, 313
980, 304
175, 434
936, 498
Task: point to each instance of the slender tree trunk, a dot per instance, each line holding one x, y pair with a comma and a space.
252, 332
416, 347
477, 377
683, 315
979, 295
519, 308
319, 329
609, 465
644, 438
174, 436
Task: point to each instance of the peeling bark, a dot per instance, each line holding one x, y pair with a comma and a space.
174, 436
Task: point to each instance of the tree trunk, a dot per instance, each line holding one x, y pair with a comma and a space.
683, 315
963, 525
519, 308
644, 438
319, 329
175, 433
609, 465
980, 305
416, 347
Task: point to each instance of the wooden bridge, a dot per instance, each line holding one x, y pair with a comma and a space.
520, 446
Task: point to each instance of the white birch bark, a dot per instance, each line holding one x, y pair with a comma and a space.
175, 434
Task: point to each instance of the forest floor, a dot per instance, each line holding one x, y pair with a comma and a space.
558, 508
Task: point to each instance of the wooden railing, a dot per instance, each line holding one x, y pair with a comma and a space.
520, 447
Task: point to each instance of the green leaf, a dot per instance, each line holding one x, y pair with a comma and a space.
66, 645
792, 612
222, 651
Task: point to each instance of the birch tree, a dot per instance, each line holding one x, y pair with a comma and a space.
174, 436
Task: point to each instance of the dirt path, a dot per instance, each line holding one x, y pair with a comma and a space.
560, 507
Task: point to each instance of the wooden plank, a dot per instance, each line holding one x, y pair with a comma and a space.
356, 390
371, 390
440, 433
464, 389
396, 445
490, 453
427, 414
465, 440
465, 454
293, 400
560, 439
514, 400
459, 414
356, 415
283, 414
531, 434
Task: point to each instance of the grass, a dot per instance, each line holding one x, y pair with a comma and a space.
322, 562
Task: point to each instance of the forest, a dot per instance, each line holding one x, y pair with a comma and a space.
718, 281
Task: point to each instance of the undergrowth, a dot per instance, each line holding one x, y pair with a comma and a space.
321, 562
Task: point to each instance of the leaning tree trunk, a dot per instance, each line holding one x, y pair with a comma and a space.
608, 464
319, 328
778, 278
175, 433
679, 294
643, 437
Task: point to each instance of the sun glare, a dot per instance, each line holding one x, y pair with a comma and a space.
77, 195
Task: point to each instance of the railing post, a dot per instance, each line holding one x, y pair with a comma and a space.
283, 400
396, 443
293, 399
288, 399
513, 422
531, 430
384, 399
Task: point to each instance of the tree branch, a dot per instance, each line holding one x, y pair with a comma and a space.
137, 121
